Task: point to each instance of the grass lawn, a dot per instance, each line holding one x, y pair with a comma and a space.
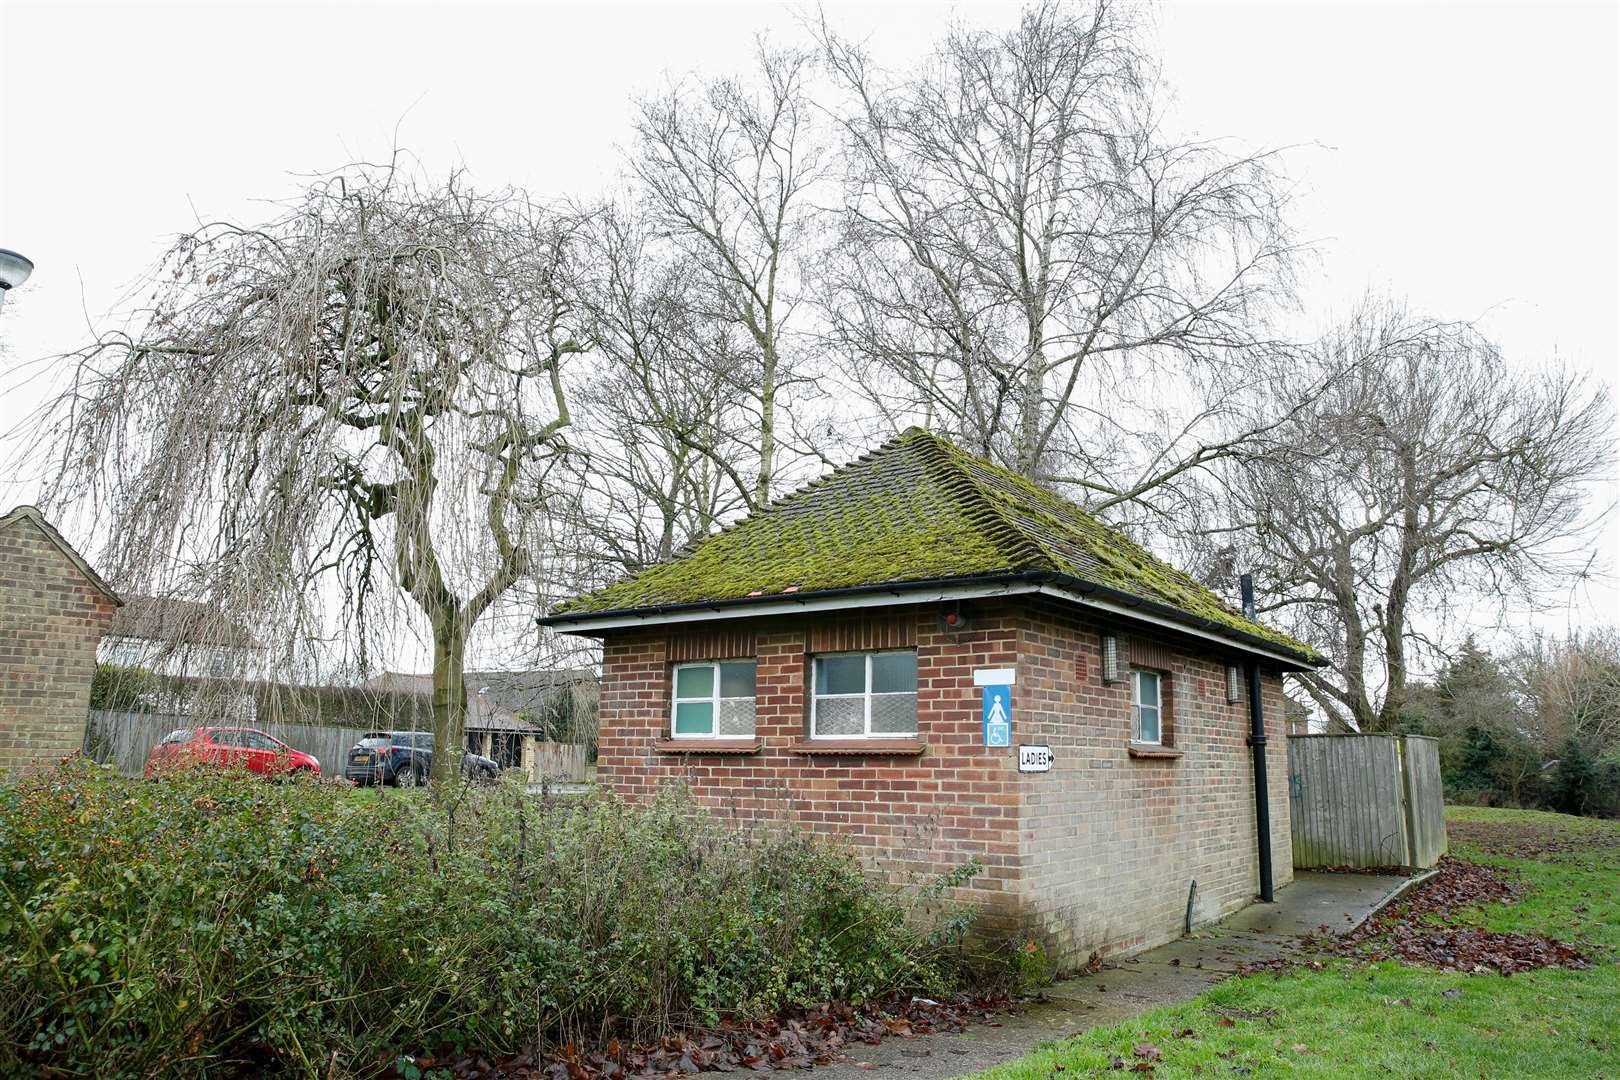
1358, 1019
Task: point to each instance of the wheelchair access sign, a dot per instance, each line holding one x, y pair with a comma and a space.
998, 716
997, 684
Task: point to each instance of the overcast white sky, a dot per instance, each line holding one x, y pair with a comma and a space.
1465, 155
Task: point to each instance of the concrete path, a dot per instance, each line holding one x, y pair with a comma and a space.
1167, 975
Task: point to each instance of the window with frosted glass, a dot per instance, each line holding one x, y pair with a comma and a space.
713, 701
1147, 707
865, 695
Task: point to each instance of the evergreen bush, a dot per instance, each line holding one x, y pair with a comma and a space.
213, 922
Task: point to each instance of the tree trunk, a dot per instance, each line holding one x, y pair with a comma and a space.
1362, 713
1359, 702
1400, 589
449, 698
767, 428
1027, 454
1395, 666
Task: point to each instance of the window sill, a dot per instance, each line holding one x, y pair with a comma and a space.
707, 746
891, 747
1153, 751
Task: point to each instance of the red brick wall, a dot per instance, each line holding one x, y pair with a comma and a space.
51, 619
1095, 854
1111, 842
912, 817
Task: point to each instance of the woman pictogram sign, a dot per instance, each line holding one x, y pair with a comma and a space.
997, 716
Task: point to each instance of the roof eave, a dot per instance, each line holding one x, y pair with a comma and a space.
1131, 606
919, 590
54, 535
1057, 585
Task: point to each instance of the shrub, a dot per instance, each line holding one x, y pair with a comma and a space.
124, 689
213, 921
1584, 784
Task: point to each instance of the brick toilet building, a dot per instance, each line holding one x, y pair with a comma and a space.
937, 660
53, 611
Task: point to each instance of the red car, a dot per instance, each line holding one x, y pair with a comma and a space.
232, 747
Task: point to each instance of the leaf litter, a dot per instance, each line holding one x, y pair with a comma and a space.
1420, 930
1543, 843
796, 1039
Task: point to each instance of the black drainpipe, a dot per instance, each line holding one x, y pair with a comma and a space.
1257, 746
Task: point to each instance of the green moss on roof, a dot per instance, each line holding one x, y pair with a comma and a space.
917, 508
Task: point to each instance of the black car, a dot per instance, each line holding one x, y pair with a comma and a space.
404, 759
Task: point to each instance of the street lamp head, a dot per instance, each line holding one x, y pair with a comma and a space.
14, 269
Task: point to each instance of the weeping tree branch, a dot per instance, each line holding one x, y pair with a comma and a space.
366, 393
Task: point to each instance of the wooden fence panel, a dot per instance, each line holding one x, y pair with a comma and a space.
563, 762
1365, 800
1346, 806
1427, 812
125, 740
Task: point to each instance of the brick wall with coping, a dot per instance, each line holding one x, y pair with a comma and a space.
1094, 855
51, 619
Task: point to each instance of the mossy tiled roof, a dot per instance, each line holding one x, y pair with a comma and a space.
916, 509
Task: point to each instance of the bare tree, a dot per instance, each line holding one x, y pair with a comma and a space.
1028, 261
657, 414
362, 398
1427, 478
725, 169
1571, 686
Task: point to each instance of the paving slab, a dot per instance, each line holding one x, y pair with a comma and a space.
1314, 900
1168, 975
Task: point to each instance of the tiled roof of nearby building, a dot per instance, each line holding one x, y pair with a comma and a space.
917, 509
179, 622
483, 714
528, 691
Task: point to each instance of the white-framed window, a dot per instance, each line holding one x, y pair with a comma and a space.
122, 651
1147, 706
864, 696
713, 700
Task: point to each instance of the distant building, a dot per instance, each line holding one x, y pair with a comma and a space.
54, 610
1297, 714
202, 662
492, 729
561, 702
180, 638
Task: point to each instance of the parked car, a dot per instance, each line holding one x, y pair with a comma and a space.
232, 747
404, 759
